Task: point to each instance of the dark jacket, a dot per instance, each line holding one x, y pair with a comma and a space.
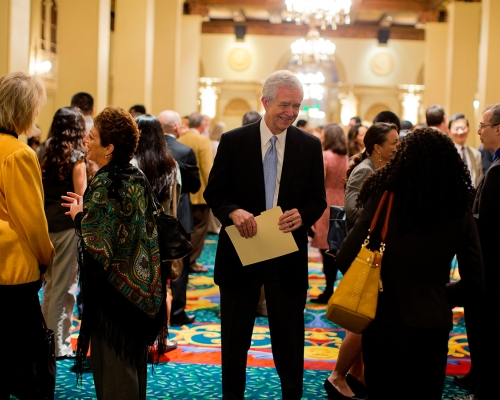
237, 181
416, 266
487, 213
190, 176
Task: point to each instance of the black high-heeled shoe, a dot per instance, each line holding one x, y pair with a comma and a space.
356, 386
322, 298
334, 394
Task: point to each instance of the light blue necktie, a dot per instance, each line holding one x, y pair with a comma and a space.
270, 170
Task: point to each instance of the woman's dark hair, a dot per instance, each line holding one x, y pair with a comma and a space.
153, 156
351, 139
66, 134
429, 180
376, 134
117, 127
334, 139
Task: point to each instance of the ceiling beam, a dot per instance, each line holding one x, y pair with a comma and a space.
242, 3
391, 5
290, 29
386, 5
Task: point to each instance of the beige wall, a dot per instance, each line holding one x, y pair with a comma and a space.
270, 53
14, 35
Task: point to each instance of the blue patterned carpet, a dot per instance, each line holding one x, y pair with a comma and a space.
193, 370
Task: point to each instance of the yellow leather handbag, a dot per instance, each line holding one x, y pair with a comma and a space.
354, 303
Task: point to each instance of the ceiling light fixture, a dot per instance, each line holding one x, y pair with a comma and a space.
320, 13
312, 49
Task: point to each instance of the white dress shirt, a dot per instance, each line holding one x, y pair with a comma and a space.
265, 142
459, 149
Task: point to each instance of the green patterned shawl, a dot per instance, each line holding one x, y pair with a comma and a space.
119, 231
119, 257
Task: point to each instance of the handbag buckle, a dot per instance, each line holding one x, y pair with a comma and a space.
382, 248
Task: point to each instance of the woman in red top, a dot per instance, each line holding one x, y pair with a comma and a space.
336, 164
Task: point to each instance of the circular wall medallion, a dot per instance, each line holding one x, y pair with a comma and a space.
239, 59
382, 63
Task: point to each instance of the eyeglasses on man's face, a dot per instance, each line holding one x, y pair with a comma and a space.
482, 126
462, 128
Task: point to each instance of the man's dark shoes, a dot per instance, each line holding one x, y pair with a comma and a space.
182, 320
322, 298
467, 382
66, 357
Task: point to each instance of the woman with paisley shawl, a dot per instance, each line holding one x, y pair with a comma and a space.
124, 311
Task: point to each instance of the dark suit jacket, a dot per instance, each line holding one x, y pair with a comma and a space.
190, 175
237, 181
486, 210
416, 266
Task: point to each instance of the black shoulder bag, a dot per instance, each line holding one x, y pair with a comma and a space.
337, 231
171, 235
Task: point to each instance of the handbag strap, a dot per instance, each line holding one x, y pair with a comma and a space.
156, 204
377, 214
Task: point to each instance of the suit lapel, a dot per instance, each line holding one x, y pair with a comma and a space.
254, 163
475, 206
290, 161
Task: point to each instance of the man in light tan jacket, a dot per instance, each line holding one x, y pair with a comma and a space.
203, 150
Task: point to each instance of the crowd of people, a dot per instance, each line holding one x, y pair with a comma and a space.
98, 181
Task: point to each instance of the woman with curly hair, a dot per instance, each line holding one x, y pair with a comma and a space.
63, 170
355, 139
125, 307
335, 163
430, 222
380, 142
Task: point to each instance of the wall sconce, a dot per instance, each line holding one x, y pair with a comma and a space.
42, 67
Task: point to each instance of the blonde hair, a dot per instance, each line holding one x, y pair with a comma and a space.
219, 129
21, 98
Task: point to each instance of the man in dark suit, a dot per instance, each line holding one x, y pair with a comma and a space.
242, 186
185, 157
486, 320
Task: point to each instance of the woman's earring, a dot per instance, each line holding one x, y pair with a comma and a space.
379, 155
106, 156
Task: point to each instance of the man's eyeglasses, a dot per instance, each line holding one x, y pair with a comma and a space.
482, 126
462, 128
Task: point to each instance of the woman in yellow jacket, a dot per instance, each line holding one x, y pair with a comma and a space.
24, 237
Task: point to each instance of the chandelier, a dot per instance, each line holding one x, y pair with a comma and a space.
320, 13
312, 49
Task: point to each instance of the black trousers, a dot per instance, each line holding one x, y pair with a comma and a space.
21, 317
481, 318
286, 325
389, 375
330, 270
179, 287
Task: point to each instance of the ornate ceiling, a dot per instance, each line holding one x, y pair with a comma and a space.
405, 19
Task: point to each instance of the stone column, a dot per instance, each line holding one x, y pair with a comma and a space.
167, 50
188, 80
489, 56
14, 36
83, 46
436, 40
462, 60
132, 53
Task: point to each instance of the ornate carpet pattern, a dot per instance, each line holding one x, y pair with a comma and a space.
192, 371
